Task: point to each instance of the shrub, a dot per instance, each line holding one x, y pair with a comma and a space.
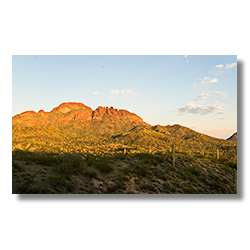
46, 159
227, 169
137, 181
116, 188
25, 188
189, 190
141, 171
17, 167
105, 168
194, 171
90, 174
56, 181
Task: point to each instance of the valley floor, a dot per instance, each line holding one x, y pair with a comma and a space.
130, 173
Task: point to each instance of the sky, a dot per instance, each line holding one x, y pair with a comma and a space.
199, 92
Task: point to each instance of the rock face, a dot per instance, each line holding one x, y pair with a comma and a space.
24, 113
111, 112
75, 114
233, 137
69, 106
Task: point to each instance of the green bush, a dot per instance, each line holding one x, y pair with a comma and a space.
17, 167
105, 168
116, 188
46, 159
90, 174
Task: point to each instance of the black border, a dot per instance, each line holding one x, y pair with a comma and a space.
241, 198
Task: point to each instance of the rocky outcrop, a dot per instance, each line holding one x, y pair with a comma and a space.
73, 112
102, 111
24, 113
69, 106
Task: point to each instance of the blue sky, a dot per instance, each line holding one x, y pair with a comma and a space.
199, 92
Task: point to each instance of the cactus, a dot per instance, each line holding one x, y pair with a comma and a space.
235, 181
173, 152
218, 154
124, 151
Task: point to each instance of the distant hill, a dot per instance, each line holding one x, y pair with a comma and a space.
233, 137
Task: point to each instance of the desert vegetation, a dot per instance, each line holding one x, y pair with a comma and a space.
130, 173
116, 152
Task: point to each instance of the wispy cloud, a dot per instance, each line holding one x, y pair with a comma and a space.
192, 108
217, 95
222, 94
227, 66
186, 56
209, 80
96, 93
202, 96
128, 92
114, 92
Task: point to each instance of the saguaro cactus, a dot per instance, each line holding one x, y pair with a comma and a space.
124, 150
235, 181
173, 153
218, 154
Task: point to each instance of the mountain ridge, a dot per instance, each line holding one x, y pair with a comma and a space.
70, 113
233, 137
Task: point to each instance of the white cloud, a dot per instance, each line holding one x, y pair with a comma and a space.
214, 80
96, 93
192, 108
115, 92
194, 85
229, 66
187, 61
221, 66
186, 56
202, 96
209, 80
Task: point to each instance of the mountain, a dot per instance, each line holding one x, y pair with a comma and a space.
76, 127
233, 137
81, 118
